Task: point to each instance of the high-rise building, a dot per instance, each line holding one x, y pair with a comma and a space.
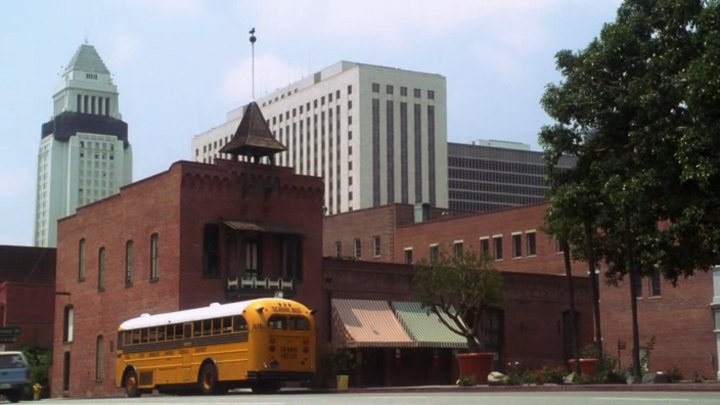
376, 135
486, 175
84, 150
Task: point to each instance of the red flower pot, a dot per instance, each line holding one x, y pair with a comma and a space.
587, 366
477, 365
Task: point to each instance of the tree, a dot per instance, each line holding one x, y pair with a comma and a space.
632, 108
458, 288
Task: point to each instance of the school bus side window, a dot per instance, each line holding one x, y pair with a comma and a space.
226, 324
239, 324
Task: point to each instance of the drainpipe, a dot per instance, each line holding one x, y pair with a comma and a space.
715, 307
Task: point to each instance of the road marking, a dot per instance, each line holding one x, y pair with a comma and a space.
641, 399
399, 397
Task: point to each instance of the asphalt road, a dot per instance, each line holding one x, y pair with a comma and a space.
420, 398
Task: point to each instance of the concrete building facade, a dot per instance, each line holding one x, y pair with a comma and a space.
84, 151
376, 135
486, 175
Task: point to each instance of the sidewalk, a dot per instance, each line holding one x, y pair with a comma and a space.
675, 387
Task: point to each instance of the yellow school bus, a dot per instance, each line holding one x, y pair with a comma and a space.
259, 344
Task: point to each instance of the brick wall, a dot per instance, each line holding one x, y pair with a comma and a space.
175, 205
680, 319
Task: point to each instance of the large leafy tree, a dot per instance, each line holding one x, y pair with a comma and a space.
458, 289
635, 110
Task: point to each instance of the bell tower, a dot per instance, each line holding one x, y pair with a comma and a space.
84, 151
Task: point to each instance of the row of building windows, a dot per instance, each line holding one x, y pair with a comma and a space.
357, 248
390, 90
278, 119
129, 262
307, 106
498, 188
537, 168
489, 245
502, 200
497, 177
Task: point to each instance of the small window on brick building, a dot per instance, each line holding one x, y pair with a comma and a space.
211, 260
292, 257
485, 246
358, 249
531, 239
128, 263
252, 253
154, 252
101, 269
81, 260
434, 253
99, 358
498, 247
68, 323
458, 248
655, 283
338, 249
516, 245
376, 246
409, 256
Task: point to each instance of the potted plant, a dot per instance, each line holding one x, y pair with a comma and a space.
458, 288
336, 365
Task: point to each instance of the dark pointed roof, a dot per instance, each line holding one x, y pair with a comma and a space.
253, 136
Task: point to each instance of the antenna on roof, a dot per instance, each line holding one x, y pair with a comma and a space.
252, 45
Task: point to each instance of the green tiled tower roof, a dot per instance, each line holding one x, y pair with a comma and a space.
86, 59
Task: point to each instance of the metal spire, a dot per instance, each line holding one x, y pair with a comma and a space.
252, 44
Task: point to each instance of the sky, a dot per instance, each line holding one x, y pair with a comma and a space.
181, 65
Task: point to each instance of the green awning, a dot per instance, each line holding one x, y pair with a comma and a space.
425, 328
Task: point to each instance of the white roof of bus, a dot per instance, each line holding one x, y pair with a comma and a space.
214, 310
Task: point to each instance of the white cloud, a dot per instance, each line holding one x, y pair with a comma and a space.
404, 21
185, 7
270, 73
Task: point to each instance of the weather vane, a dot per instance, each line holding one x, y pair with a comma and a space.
252, 44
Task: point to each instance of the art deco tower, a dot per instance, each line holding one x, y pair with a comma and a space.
84, 151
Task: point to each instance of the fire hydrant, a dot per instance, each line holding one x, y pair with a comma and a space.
37, 390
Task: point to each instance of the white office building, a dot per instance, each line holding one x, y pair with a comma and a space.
84, 151
377, 135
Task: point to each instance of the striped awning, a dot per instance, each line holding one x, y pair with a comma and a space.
425, 328
368, 323
260, 227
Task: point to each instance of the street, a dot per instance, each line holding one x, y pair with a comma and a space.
420, 398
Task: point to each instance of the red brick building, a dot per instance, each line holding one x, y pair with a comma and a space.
193, 235
678, 319
27, 294
684, 320
531, 327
